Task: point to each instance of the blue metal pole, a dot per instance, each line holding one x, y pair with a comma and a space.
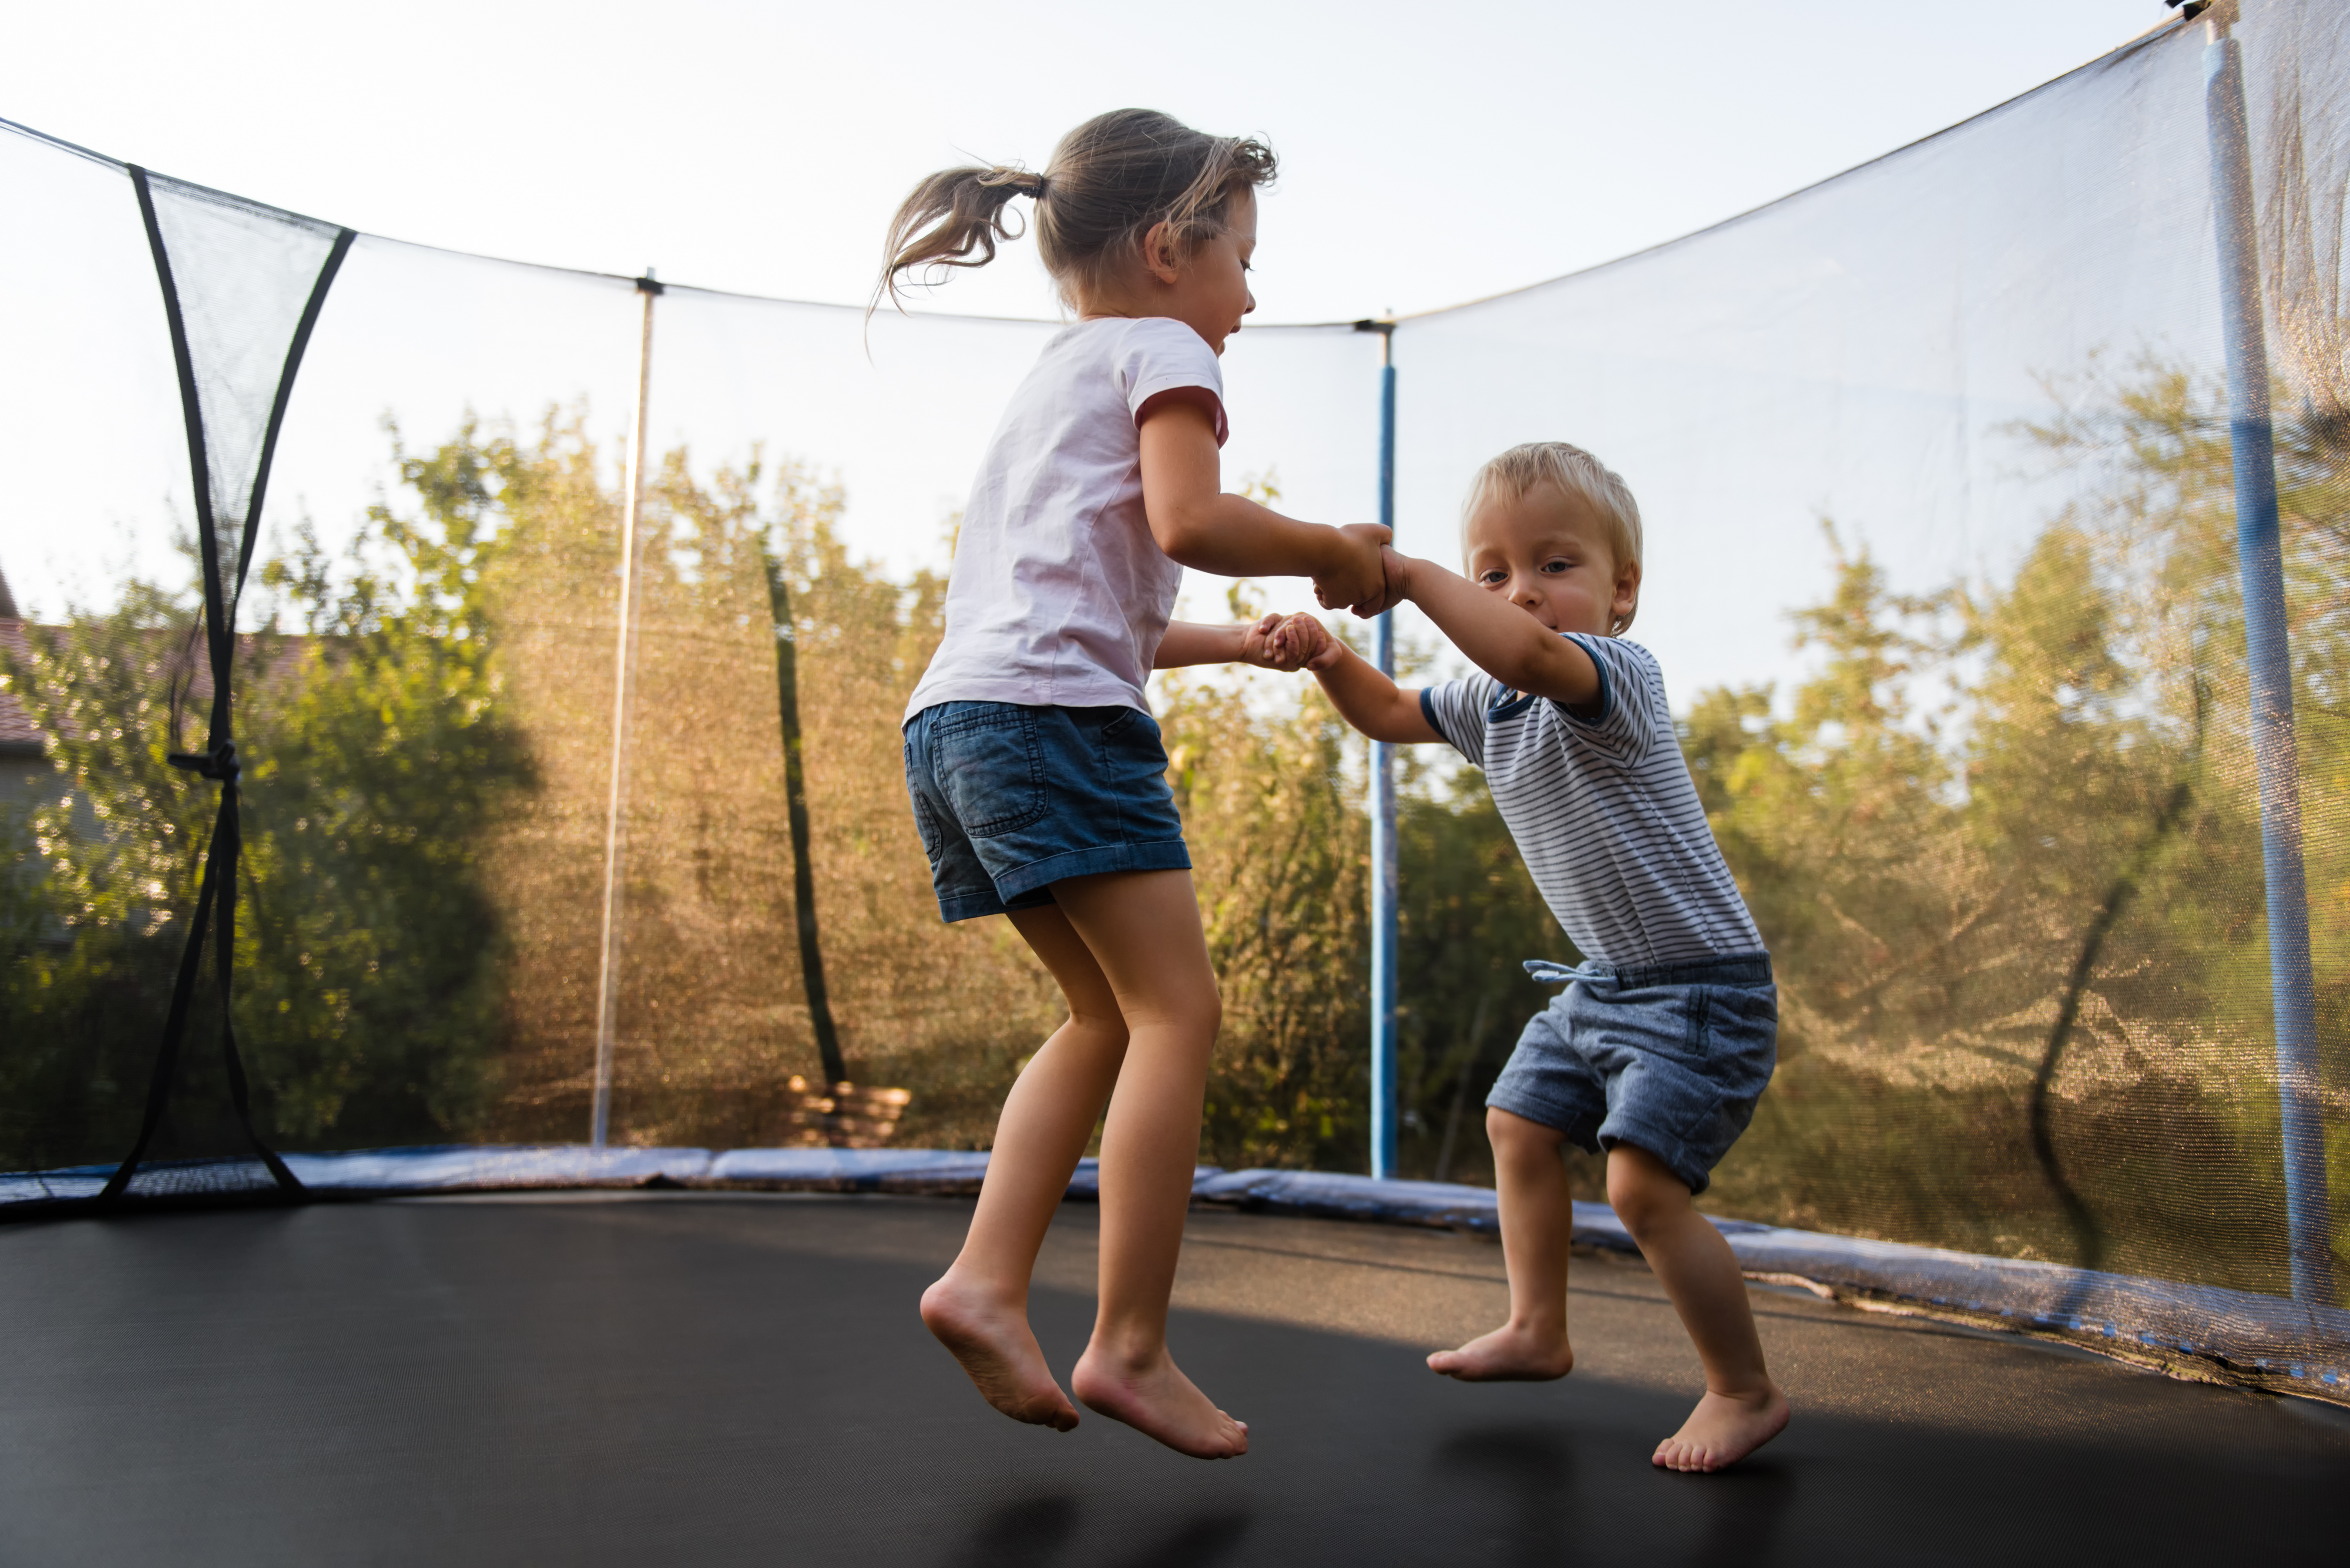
2260, 561
1383, 822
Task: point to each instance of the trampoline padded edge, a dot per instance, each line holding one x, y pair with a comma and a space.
2202, 1333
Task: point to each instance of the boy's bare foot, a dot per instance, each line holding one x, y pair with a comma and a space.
998, 1349
1508, 1354
1723, 1429
1155, 1400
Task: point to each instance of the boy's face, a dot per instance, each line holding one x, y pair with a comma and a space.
1547, 552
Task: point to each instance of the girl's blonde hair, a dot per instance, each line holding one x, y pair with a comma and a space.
1573, 472
1109, 182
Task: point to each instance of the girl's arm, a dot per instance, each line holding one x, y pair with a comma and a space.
1189, 642
1199, 525
1498, 637
1372, 703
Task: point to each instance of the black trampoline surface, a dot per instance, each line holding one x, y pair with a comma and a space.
694, 1378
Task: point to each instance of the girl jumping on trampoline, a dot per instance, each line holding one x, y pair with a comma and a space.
1036, 774
1666, 1034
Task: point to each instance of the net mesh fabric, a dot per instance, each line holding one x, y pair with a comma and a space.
1935, 463
243, 274
1988, 370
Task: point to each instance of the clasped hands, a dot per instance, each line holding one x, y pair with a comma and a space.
1300, 641
1359, 579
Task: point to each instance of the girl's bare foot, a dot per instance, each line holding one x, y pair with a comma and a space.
1508, 1354
1723, 1429
1155, 1400
999, 1351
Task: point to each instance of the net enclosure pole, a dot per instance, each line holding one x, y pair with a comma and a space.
2269, 656
1383, 811
624, 660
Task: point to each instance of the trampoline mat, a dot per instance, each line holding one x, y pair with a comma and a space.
696, 1378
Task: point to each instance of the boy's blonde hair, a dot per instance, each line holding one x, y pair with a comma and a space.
1573, 472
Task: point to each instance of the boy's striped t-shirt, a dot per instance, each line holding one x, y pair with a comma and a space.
1603, 811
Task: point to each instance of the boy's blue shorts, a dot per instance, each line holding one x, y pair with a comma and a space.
1010, 799
1669, 1059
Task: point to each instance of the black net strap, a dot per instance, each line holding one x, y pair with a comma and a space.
218, 759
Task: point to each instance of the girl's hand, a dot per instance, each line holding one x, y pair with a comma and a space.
1396, 570
1265, 646
1356, 578
1309, 642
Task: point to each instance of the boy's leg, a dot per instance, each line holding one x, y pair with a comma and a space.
1537, 1223
1742, 1409
1143, 929
979, 1308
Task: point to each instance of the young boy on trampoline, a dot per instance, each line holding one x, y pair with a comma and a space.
1663, 1038
1037, 777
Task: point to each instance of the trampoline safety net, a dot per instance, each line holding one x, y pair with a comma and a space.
451, 702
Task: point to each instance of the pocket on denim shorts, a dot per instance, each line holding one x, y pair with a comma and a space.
1736, 1035
990, 768
925, 822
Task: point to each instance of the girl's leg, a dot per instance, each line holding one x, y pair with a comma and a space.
1143, 929
1742, 1409
1537, 1223
979, 1308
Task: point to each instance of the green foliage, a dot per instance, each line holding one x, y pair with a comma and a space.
368, 961
1927, 829
373, 977
1467, 917
1928, 880
1278, 850
97, 867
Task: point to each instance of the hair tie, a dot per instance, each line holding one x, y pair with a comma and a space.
1013, 180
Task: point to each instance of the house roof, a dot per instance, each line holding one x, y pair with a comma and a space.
17, 730
20, 734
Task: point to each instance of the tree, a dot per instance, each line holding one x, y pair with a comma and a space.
2019, 933
368, 962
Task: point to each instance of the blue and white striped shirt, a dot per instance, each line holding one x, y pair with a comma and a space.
1603, 811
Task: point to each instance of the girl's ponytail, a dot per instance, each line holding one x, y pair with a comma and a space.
1110, 182
951, 214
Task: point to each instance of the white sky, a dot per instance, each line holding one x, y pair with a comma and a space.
1432, 153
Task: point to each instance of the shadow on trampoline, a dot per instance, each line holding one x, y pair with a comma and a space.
1037, 1528
1028, 1530
731, 1379
1522, 1477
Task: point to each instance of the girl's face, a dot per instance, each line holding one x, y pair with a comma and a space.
1206, 290
1547, 552
1211, 293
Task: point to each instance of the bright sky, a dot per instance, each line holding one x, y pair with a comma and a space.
1432, 152
1431, 155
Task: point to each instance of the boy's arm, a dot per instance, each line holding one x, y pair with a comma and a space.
1496, 636
1373, 704
1189, 642
1200, 524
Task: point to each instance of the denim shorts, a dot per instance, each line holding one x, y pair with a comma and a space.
1669, 1059
1010, 799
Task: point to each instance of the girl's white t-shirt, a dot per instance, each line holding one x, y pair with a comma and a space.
1059, 595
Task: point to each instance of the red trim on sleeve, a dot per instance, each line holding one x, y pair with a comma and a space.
1198, 397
